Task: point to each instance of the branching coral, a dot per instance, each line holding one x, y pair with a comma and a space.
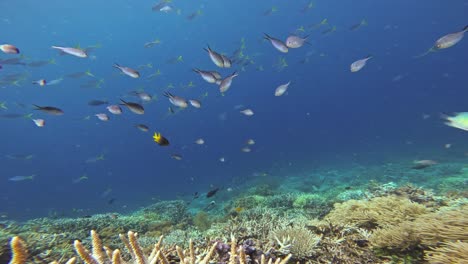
378, 212
103, 255
451, 252
296, 240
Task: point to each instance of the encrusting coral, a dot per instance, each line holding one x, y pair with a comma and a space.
103, 255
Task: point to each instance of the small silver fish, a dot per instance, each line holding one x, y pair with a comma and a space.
114, 109
215, 57
206, 75
294, 42
278, 44
200, 141
195, 103
282, 89
72, 51
247, 112
450, 40
359, 64
225, 84
102, 117
127, 71
176, 100
22, 178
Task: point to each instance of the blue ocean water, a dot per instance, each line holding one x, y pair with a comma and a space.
328, 116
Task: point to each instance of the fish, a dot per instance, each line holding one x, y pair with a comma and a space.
142, 127
222, 159
422, 164
215, 57
176, 100
227, 63
226, 82
14, 115
127, 71
200, 141
247, 112
359, 64
51, 110
294, 42
80, 179
193, 15
278, 44
9, 49
176, 156
152, 43
206, 75
39, 122
282, 89
450, 40
22, 178
458, 120
19, 156
95, 159
360, 24
195, 103
72, 51
114, 109
246, 149
40, 82
162, 141
212, 192
250, 142
134, 107
328, 31
166, 9
102, 117
97, 102
143, 96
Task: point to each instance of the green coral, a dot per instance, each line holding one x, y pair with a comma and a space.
306, 200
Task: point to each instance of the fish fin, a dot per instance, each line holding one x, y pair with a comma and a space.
364, 22
465, 28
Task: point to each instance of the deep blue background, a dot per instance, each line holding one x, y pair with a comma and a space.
329, 116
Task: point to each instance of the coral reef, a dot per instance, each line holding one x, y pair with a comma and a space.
297, 240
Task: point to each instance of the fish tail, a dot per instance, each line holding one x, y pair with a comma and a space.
370, 56
364, 22
125, 103
116, 65
32, 177
37, 107
3, 106
465, 29
266, 36
207, 49
432, 49
56, 47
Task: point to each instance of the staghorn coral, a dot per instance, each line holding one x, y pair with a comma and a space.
377, 212
104, 255
450, 252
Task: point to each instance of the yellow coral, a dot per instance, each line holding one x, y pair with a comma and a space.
451, 252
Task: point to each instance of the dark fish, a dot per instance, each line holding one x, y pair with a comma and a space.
14, 115
49, 110
111, 201
38, 63
134, 107
196, 195
212, 192
97, 102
